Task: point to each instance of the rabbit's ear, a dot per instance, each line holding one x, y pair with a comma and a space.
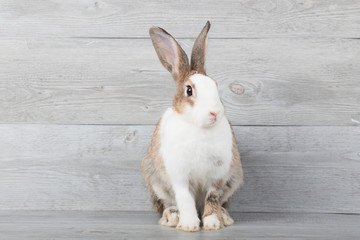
199, 51
171, 55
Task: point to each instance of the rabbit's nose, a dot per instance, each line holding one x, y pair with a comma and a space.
213, 114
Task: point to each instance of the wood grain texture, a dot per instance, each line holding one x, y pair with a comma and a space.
37, 225
100, 81
85, 167
129, 19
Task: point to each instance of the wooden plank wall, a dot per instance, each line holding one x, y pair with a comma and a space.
62, 167
81, 89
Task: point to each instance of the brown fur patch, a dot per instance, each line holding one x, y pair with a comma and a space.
157, 204
234, 179
181, 100
219, 163
153, 172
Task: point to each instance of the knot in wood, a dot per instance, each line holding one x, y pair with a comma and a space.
237, 88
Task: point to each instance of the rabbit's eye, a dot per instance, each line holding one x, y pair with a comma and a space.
188, 91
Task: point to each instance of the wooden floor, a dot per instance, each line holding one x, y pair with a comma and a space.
143, 225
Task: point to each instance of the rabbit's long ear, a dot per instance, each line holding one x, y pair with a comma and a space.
171, 55
199, 51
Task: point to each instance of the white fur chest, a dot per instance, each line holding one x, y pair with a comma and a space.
193, 153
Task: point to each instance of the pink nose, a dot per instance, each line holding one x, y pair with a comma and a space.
213, 114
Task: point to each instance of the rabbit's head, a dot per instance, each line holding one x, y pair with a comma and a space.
197, 99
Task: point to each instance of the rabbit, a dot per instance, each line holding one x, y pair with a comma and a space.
193, 164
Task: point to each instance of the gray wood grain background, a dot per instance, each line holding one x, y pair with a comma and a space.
81, 89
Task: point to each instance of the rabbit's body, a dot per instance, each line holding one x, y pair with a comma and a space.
193, 164
190, 153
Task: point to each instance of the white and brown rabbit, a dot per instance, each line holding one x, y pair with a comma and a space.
193, 164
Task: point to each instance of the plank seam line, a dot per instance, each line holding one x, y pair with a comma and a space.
231, 211
149, 211
139, 125
216, 38
190, 38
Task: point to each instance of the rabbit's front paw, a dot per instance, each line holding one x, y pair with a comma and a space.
212, 222
189, 223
